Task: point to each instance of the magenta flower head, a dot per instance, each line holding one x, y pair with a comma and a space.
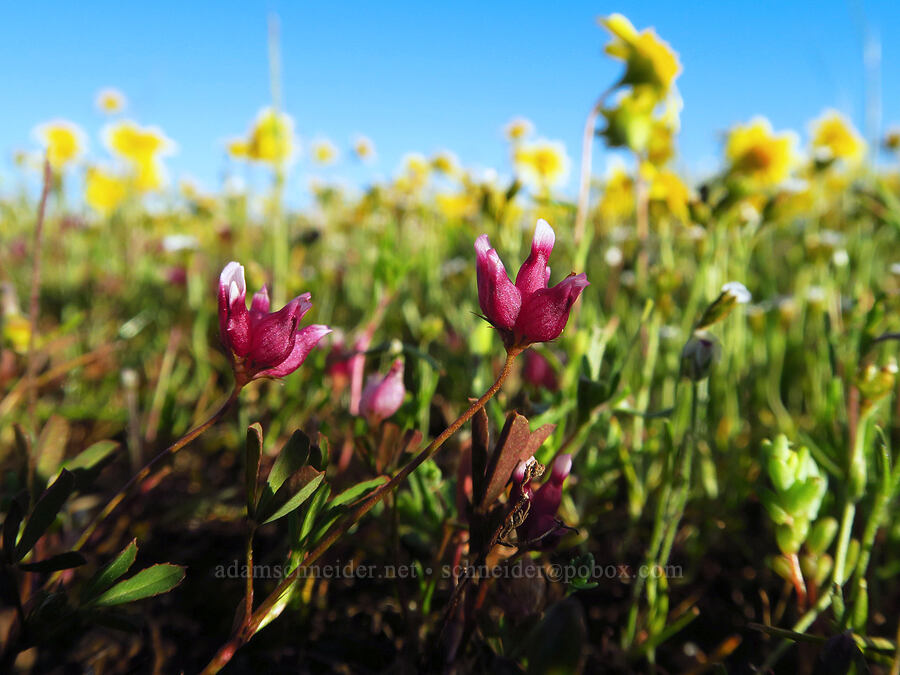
260, 343
541, 528
382, 396
527, 311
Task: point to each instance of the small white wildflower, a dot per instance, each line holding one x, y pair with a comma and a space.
669, 332
895, 268
815, 295
696, 233
179, 242
738, 291
840, 258
613, 256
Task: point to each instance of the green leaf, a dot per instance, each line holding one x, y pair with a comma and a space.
821, 535
148, 582
312, 511
318, 454
111, 572
292, 457
91, 456
352, 493
45, 512
297, 498
62, 561
51, 446
251, 476
11, 528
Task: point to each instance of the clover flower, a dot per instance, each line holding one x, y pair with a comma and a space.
527, 311
260, 343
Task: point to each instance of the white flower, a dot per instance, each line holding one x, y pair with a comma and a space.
738, 291
179, 242
613, 256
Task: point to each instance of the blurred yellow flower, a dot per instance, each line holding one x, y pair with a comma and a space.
541, 164
648, 59
324, 151
754, 152
237, 148
445, 162
833, 137
16, 326
63, 141
271, 138
668, 188
110, 101
363, 148
150, 175
136, 144
103, 190
617, 203
458, 205
661, 144
414, 173
518, 129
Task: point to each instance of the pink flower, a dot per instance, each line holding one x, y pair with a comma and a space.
382, 396
527, 311
538, 371
263, 344
542, 529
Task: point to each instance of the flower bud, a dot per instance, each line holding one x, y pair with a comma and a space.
699, 355
383, 396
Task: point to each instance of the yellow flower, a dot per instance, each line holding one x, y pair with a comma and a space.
271, 138
150, 175
237, 148
324, 151
648, 60
63, 141
136, 144
757, 154
661, 143
110, 101
103, 190
16, 326
833, 137
518, 129
457, 206
668, 188
617, 202
364, 148
542, 163
445, 162
416, 170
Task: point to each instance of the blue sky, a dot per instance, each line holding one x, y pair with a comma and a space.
425, 76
